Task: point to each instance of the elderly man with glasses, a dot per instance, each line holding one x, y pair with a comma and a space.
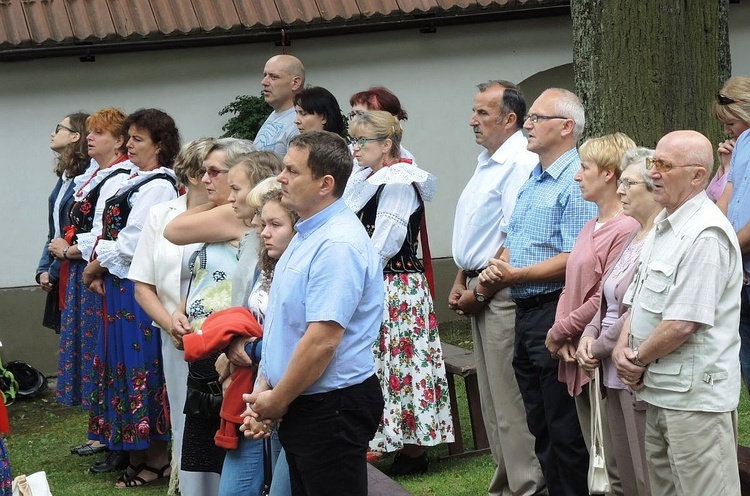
549, 214
679, 348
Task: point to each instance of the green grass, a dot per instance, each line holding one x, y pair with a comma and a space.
44, 431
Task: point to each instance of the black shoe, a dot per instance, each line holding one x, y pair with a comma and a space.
116, 460
406, 465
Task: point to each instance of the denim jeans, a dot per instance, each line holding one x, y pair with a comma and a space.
280, 485
242, 472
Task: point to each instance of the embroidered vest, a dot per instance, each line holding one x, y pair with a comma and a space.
118, 208
82, 212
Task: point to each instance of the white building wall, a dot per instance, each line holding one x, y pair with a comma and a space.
433, 74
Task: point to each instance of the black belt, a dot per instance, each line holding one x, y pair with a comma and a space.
536, 301
473, 273
211, 387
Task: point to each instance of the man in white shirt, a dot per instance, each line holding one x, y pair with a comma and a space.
482, 213
283, 77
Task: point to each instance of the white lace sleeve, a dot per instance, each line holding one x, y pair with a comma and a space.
396, 204
117, 255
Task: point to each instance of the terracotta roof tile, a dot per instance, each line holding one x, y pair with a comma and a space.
47, 21
90, 19
31, 26
216, 14
133, 17
257, 13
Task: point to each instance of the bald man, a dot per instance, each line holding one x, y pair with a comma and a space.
680, 347
283, 77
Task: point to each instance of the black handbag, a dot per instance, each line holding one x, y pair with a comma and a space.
204, 397
51, 317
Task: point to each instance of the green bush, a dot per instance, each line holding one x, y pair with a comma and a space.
249, 114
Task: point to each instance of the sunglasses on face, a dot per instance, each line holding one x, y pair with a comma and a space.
60, 126
663, 166
212, 173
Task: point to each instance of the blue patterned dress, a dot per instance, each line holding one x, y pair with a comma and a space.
130, 407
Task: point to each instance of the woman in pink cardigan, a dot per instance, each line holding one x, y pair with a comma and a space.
598, 245
625, 417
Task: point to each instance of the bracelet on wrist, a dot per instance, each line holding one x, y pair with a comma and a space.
636, 361
65, 252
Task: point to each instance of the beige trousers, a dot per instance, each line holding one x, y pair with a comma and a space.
692, 453
493, 330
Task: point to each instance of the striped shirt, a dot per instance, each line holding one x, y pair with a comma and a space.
549, 214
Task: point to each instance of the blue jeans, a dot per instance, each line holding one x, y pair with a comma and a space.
280, 485
242, 472
745, 335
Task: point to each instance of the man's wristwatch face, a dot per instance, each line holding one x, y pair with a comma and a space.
479, 296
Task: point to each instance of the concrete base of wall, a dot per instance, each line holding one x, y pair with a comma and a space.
24, 338
21, 331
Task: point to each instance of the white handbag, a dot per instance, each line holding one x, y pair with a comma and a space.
598, 478
31, 485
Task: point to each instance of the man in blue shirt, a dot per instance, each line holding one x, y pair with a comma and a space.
548, 216
324, 312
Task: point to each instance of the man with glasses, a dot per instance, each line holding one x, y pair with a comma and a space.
483, 211
549, 214
682, 347
283, 77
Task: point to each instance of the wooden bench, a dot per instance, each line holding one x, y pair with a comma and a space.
379, 484
459, 361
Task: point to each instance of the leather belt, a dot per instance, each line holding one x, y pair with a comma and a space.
537, 301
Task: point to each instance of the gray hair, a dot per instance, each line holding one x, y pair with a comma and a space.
567, 104
637, 156
233, 147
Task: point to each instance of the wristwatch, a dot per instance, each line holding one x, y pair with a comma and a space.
480, 297
636, 360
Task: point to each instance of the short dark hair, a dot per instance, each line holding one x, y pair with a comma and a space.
327, 155
380, 98
162, 130
320, 101
513, 100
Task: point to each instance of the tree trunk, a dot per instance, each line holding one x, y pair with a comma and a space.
648, 67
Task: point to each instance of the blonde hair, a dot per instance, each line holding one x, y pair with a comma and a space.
737, 88
257, 165
381, 123
256, 195
607, 151
189, 159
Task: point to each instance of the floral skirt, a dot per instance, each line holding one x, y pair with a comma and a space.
79, 327
6, 478
409, 363
129, 405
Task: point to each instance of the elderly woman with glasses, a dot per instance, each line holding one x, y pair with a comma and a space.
732, 107
598, 245
625, 417
388, 194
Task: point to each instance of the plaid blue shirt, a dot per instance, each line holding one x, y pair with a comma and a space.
549, 214
739, 175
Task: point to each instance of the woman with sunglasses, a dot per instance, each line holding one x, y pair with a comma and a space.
81, 316
624, 416
68, 143
129, 410
388, 194
732, 107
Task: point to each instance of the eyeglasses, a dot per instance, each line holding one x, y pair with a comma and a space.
355, 113
626, 184
60, 126
537, 117
727, 100
361, 142
212, 173
663, 166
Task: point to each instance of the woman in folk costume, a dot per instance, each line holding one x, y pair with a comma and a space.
388, 193
131, 411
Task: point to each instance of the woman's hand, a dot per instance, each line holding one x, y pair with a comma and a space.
584, 355
44, 282
567, 352
724, 151
180, 327
93, 277
56, 248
